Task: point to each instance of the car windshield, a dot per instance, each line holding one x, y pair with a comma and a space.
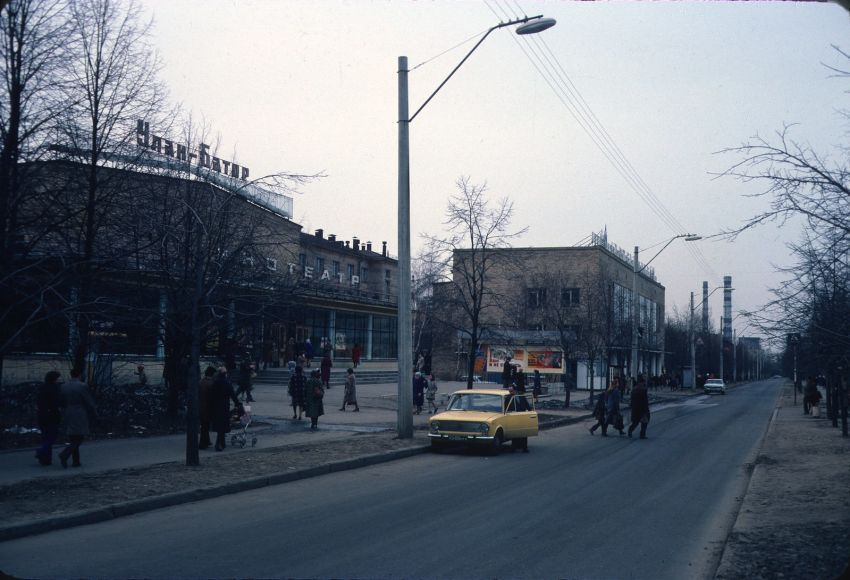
475, 402
714, 382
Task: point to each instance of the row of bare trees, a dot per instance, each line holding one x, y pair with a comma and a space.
811, 188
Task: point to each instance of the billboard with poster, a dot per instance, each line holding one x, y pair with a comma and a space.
496, 357
545, 360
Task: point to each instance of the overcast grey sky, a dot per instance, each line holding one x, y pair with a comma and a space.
312, 86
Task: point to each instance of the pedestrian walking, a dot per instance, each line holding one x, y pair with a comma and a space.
612, 409
520, 381
308, 352
222, 394
356, 352
536, 388
79, 411
507, 373
431, 394
297, 388
640, 408
349, 397
420, 362
599, 412
419, 386
48, 404
809, 394
246, 385
326, 365
205, 387
314, 396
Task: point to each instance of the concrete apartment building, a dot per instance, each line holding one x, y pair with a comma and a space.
530, 292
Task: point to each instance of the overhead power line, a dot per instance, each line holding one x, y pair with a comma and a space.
547, 64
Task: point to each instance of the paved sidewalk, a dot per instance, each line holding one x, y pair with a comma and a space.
794, 520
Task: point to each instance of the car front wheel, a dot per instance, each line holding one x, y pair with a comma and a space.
496, 445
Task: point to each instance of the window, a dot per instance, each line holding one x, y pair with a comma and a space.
536, 297
364, 274
350, 271
336, 269
570, 296
271, 264
320, 265
302, 260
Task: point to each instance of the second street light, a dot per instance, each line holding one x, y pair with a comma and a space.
528, 25
637, 269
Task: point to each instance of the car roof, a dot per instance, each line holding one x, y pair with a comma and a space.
500, 392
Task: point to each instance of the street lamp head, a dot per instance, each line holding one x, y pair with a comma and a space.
536, 26
692, 238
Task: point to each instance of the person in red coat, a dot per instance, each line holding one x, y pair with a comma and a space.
326, 370
355, 355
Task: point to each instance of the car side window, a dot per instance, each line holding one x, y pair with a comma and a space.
522, 404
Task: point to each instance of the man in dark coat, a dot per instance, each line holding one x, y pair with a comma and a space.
297, 392
420, 383
79, 406
314, 394
640, 408
245, 380
49, 415
204, 399
221, 395
507, 373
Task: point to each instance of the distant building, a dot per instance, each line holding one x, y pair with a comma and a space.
531, 292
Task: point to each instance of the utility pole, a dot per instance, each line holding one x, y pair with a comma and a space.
633, 371
721, 348
693, 348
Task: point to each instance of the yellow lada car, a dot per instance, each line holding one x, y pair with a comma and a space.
486, 417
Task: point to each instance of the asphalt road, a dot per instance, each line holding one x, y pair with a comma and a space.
575, 507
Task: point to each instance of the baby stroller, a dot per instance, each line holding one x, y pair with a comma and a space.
241, 436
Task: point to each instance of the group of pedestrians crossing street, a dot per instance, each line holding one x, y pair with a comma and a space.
607, 409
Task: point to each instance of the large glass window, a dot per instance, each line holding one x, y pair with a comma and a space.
384, 337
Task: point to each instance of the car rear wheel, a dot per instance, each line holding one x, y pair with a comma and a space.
437, 445
496, 445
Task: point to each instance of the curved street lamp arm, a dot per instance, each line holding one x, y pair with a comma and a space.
477, 44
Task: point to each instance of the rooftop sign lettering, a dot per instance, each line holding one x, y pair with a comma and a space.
180, 152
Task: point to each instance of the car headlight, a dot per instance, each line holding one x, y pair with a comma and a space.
435, 426
483, 428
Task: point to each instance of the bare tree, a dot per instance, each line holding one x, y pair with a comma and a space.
478, 231
33, 48
112, 83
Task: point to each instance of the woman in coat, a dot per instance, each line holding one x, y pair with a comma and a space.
314, 395
297, 387
350, 395
49, 416
326, 370
640, 408
356, 352
222, 393
612, 409
78, 407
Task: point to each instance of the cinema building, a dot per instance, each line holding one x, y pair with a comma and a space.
262, 281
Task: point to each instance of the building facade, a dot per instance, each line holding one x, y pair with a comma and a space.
563, 311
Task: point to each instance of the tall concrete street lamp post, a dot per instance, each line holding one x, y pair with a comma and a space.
692, 333
528, 25
637, 269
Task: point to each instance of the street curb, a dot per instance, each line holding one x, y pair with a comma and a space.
768, 430
122, 509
